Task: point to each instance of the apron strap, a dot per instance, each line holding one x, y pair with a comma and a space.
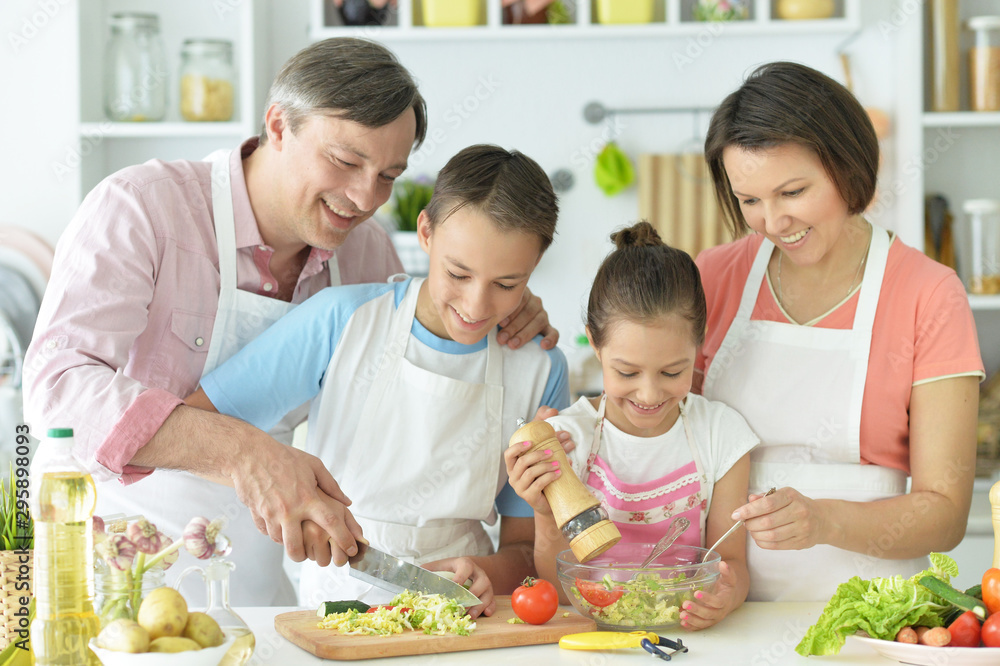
225, 223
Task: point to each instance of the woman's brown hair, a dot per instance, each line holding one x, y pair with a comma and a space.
785, 102
505, 185
643, 279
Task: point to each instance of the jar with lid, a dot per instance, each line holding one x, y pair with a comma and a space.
984, 245
207, 80
984, 64
135, 69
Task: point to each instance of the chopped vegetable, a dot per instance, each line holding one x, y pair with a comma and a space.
328, 607
647, 601
432, 614
879, 607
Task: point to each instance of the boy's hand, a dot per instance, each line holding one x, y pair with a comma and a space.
465, 569
707, 608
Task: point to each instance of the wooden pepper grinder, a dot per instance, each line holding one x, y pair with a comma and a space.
578, 514
995, 509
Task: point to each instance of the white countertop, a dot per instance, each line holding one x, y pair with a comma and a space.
757, 634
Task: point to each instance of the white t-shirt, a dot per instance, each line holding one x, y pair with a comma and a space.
721, 437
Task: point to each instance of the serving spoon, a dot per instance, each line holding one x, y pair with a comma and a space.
732, 529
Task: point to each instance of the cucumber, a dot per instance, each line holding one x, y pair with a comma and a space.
975, 591
328, 607
953, 596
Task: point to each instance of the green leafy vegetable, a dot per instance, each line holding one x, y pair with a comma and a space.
880, 607
14, 533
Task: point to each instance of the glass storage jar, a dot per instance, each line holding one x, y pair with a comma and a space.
984, 245
135, 69
984, 64
208, 80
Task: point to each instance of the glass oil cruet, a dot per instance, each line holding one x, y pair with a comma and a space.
216, 576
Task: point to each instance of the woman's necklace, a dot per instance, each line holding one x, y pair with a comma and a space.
850, 288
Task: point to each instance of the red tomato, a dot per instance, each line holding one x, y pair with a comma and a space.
965, 630
991, 631
595, 594
991, 590
535, 601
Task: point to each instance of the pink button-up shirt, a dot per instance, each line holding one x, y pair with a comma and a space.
127, 317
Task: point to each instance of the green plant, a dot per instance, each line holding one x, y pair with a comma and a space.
411, 197
14, 534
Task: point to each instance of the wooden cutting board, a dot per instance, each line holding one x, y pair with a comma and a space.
300, 627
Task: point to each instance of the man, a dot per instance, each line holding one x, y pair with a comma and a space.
168, 268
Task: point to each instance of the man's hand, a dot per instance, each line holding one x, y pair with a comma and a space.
526, 322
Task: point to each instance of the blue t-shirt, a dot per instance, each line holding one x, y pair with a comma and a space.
286, 365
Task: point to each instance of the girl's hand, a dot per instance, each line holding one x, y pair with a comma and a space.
707, 608
786, 520
530, 472
465, 569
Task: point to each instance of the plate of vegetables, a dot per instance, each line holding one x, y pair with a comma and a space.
917, 620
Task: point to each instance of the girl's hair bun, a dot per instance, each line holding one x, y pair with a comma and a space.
640, 234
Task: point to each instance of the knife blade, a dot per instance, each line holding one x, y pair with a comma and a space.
382, 570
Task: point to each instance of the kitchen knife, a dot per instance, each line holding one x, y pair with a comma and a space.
393, 574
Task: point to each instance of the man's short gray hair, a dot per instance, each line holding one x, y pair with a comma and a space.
354, 79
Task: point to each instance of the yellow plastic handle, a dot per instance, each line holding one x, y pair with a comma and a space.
605, 640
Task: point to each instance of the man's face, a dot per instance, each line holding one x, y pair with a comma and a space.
335, 173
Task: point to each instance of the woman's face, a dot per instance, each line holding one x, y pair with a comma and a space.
648, 369
787, 195
477, 274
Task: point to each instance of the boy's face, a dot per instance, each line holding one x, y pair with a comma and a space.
648, 369
477, 274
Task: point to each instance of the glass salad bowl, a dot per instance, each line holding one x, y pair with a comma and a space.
620, 596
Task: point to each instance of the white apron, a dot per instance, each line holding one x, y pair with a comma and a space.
809, 427
171, 498
417, 430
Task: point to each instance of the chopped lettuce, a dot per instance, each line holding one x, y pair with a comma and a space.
647, 601
430, 613
880, 607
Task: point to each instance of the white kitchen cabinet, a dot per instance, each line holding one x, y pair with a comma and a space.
106, 146
952, 154
671, 17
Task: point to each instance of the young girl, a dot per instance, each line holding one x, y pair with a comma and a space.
648, 448
412, 399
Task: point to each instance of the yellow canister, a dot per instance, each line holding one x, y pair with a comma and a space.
798, 10
624, 11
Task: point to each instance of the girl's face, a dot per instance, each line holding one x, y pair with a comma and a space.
648, 369
787, 195
477, 274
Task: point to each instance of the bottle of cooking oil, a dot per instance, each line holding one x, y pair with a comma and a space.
62, 503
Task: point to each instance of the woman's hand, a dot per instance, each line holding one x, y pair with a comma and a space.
784, 520
707, 608
465, 569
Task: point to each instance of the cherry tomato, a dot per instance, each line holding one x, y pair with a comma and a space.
991, 631
991, 590
595, 594
375, 609
965, 630
536, 601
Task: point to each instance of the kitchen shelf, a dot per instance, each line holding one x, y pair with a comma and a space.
962, 119
672, 19
981, 302
164, 129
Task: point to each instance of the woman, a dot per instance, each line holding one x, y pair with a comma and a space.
852, 356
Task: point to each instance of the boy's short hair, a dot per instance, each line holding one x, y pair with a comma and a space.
507, 186
785, 102
345, 77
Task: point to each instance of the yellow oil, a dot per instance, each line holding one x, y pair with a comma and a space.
64, 564
240, 651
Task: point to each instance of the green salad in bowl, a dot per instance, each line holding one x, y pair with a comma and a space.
619, 595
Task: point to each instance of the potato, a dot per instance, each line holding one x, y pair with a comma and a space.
204, 630
163, 613
124, 635
173, 644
